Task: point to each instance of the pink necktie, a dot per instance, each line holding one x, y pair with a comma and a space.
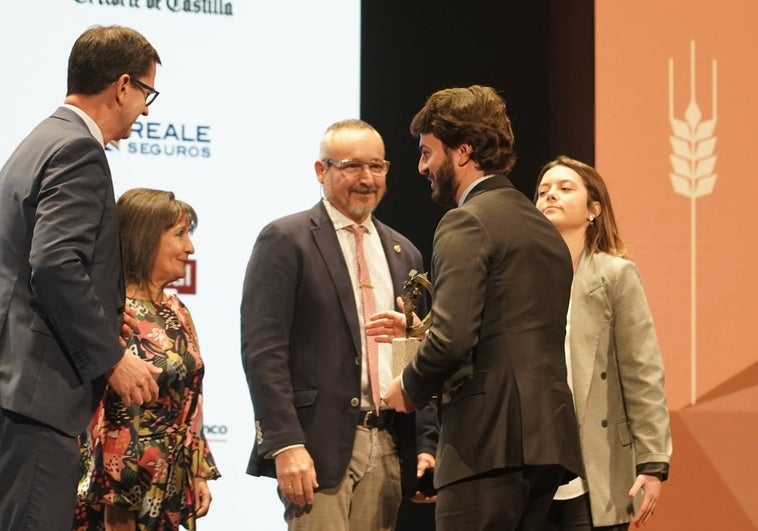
369, 308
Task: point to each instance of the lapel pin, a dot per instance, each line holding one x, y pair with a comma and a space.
396, 248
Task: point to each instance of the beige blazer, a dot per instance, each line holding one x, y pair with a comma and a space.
617, 375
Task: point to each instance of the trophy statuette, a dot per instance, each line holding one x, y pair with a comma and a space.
403, 349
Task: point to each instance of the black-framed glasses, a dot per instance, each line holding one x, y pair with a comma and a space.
150, 92
352, 167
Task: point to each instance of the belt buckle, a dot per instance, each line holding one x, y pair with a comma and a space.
369, 414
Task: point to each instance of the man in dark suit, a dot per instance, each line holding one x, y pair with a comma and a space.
335, 451
501, 283
61, 286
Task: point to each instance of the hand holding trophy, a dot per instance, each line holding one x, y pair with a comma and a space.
404, 348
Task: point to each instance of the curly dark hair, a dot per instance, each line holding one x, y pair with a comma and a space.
475, 116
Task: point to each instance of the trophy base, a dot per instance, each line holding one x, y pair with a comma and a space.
403, 350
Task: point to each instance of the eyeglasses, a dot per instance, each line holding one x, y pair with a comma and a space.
352, 167
150, 93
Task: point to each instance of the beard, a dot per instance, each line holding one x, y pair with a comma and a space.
349, 205
444, 177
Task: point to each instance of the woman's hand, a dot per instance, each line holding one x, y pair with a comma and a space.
202, 497
651, 489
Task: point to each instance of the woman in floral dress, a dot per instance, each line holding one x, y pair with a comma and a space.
146, 467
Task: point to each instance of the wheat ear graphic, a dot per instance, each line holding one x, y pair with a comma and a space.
692, 161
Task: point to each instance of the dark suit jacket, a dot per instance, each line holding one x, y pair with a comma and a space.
61, 287
502, 278
301, 345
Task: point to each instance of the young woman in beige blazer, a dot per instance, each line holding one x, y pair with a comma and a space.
615, 365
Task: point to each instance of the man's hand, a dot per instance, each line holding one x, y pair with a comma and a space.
386, 326
133, 380
128, 325
396, 399
651, 488
202, 496
424, 462
296, 475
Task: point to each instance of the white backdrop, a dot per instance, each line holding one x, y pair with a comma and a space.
244, 100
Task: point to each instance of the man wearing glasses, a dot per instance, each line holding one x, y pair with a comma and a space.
312, 281
61, 286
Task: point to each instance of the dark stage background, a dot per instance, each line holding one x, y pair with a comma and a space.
539, 55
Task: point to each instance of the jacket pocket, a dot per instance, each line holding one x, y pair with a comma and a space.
469, 385
304, 397
39, 325
623, 432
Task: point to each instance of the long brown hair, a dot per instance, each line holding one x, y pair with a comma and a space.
602, 233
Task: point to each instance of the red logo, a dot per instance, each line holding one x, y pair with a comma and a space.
188, 284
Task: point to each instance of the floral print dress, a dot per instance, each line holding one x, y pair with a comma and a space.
144, 458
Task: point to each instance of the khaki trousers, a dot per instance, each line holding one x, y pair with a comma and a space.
367, 498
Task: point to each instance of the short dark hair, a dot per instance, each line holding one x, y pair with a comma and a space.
103, 53
475, 116
143, 215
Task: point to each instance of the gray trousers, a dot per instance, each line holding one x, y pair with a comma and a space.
39, 471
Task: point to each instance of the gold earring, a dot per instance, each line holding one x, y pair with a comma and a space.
591, 218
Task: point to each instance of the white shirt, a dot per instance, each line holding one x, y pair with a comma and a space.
89, 122
383, 291
576, 487
471, 186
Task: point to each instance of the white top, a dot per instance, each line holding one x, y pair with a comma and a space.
577, 486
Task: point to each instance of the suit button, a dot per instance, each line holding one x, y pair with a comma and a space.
357, 360
603, 376
604, 423
355, 402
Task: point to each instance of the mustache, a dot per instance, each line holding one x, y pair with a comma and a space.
364, 189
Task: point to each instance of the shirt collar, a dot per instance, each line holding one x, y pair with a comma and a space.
341, 221
471, 186
89, 122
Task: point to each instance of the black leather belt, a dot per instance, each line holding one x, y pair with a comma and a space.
369, 419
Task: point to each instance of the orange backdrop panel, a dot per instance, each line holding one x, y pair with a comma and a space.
688, 69
635, 42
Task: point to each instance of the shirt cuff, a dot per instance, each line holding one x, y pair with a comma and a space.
273, 454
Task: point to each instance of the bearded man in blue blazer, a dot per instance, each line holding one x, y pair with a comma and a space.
61, 286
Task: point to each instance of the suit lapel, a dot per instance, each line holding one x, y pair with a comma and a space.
584, 317
325, 238
395, 255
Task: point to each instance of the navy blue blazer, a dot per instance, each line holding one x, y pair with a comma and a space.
301, 346
61, 285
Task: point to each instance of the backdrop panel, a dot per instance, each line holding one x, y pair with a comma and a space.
675, 116
247, 88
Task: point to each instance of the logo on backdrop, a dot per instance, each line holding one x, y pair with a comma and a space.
216, 432
167, 139
693, 160
202, 7
188, 284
